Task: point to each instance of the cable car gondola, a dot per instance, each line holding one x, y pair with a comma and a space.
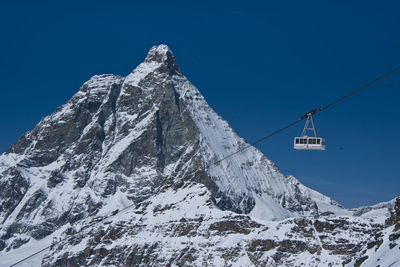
309, 142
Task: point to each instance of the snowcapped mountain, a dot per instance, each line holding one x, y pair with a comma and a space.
127, 173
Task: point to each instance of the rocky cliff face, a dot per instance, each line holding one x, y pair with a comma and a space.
395, 214
148, 144
383, 248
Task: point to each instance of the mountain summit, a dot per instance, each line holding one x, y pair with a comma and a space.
143, 150
162, 54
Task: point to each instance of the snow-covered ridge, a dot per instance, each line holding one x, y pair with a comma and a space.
379, 212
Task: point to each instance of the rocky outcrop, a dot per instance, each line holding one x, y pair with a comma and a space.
382, 248
395, 214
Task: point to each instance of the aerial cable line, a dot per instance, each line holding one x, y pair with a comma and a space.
363, 87
258, 141
311, 112
314, 111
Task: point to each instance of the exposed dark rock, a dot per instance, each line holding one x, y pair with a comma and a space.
394, 236
234, 226
12, 190
395, 214
360, 261
262, 245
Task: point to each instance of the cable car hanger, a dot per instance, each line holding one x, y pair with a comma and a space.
309, 143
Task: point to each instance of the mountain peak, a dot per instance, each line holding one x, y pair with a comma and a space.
163, 54
138, 152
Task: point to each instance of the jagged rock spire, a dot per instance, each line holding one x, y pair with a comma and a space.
163, 54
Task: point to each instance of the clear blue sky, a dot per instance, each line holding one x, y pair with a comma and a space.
260, 66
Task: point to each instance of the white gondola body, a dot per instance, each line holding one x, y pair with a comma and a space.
309, 143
